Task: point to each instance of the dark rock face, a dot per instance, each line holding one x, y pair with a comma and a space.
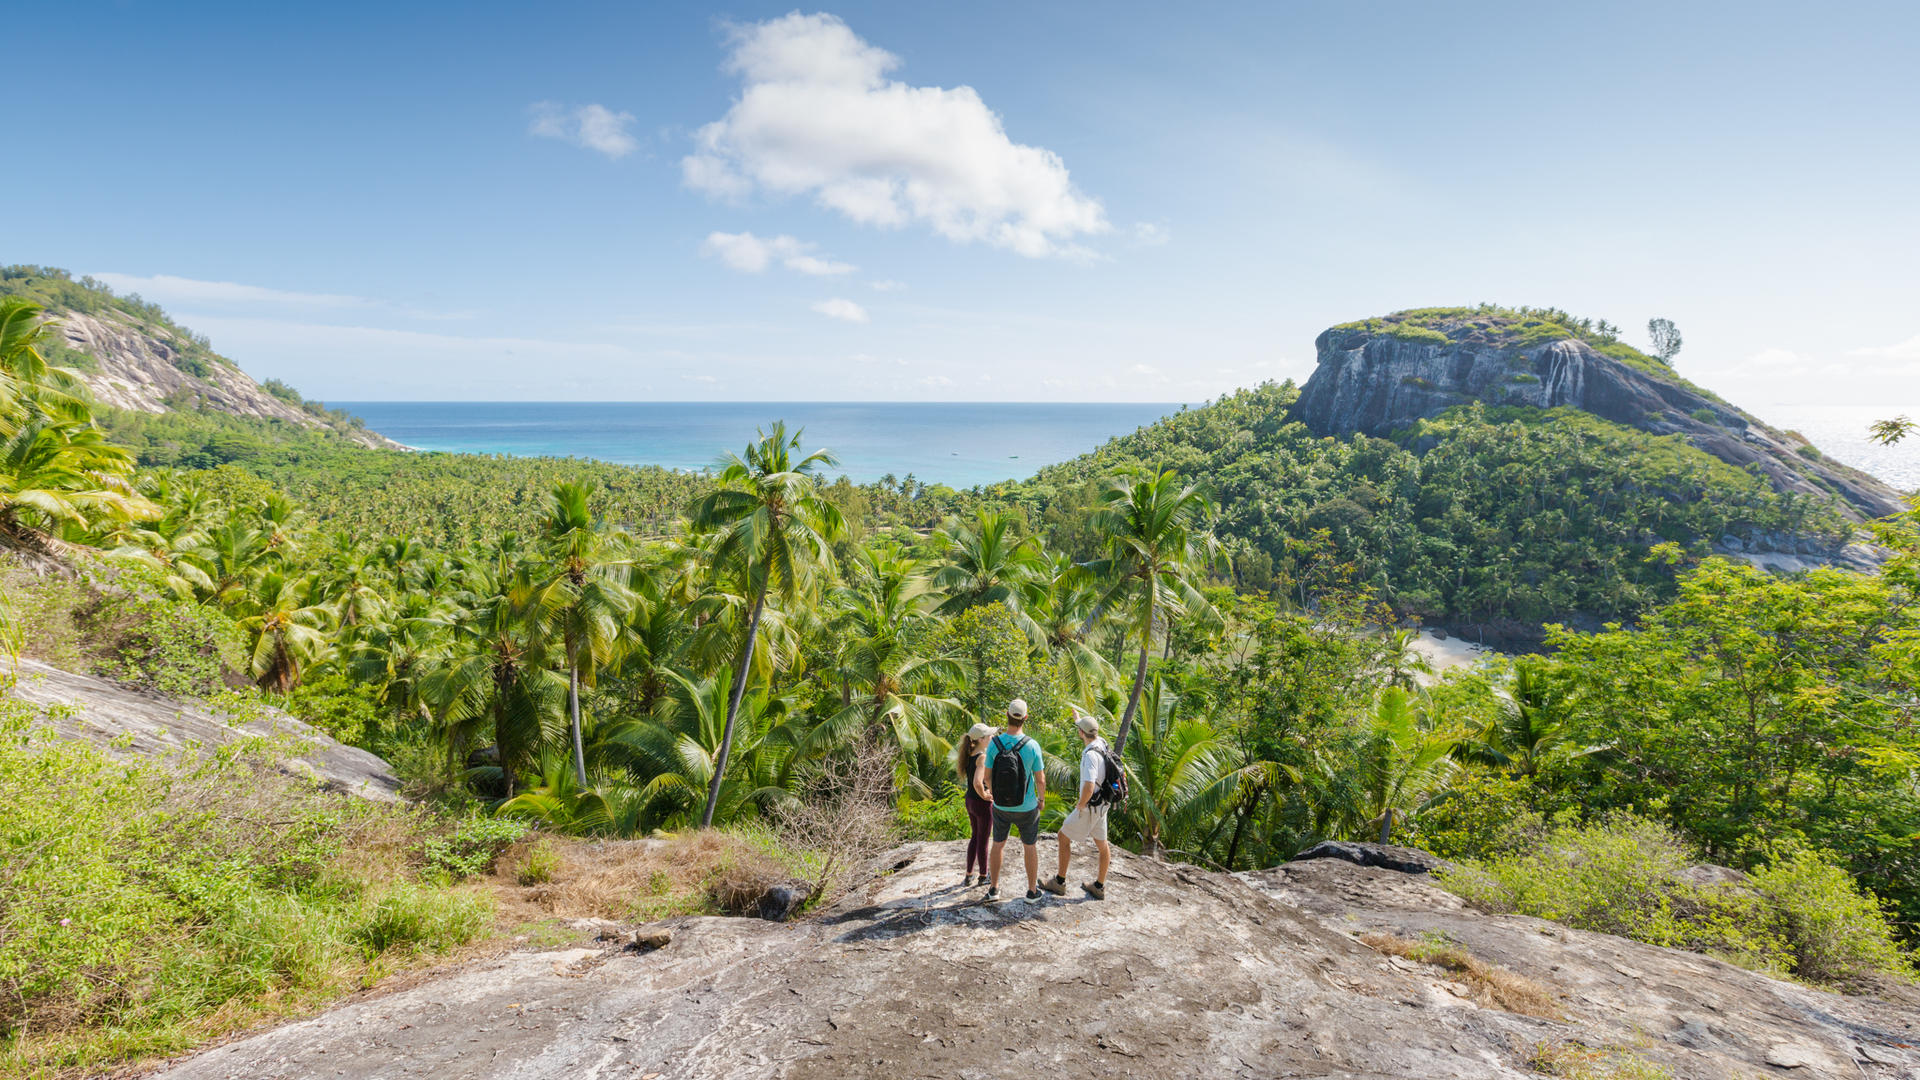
783, 902
1405, 860
1373, 383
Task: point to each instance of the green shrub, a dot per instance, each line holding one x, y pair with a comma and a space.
1421, 334
1838, 933
1704, 415
343, 707
542, 861
474, 845
1808, 451
1623, 875
1523, 377
944, 818
147, 905
420, 918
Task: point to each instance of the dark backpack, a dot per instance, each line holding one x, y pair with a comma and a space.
1011, 784
1112, 788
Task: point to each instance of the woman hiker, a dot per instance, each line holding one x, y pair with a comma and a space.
979, 810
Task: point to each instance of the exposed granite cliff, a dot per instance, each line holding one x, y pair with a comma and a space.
1182, 973
129, 722
1380, 375
138, 366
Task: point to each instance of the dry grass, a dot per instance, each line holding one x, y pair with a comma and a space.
707, 872
1576, 1062
1491, 985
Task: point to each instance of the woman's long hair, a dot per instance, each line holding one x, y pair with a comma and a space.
968, 747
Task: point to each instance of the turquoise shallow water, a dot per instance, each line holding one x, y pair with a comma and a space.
956, 444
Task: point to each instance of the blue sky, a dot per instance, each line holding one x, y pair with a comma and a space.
972, 201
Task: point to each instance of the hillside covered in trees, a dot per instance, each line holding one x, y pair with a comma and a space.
772, 653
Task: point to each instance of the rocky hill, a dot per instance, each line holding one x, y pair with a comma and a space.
134, 357
1378, 376
1299, 971
136, 724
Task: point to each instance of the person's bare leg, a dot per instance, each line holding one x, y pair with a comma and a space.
1106, 859
1066, 856
1033, 865
993, 863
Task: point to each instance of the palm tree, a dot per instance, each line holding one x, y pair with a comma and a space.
1155, 532
29, 385
988, 562
1400, 762
1401, 658
890, 662
494, 669
1180, 773
1068, 612
286, 628
774, 528
582, 595
674, 752
1530, 727
60, 474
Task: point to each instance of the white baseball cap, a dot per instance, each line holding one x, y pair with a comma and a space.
1085, 722
1017, 709
979, 731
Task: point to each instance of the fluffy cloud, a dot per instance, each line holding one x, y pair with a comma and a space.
1904, 350
838, 308
594, 127
751, 254
817, 116
888, 285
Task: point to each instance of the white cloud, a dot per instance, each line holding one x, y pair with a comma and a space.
1145, 369
751, 254
838, 308
888, 285
165, 289
593, 127
700, 378
1147, 234
1780, 360
817, 116
938, 381
1904, 350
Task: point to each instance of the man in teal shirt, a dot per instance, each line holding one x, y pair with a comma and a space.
1017, 788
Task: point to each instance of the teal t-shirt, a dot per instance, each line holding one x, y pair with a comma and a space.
1030, 753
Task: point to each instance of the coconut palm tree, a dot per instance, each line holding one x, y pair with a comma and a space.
989, 562
495, 670
891, 661
774, 529
1399, 762
1180, 774
285, 626
1530, 727
61, 474
1069, 614
673, 753
582, 597
1155, 531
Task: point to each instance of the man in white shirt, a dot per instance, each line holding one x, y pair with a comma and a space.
1086, 822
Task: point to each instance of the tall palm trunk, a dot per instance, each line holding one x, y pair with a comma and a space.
573, 707
733, 710
1139, 683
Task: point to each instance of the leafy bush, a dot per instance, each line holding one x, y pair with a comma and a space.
1808, 451
145, 906
944, 818
474, 845
1625, 875
1704, 415
1838, 933
542, 860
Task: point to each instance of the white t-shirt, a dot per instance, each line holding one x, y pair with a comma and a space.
1093, 767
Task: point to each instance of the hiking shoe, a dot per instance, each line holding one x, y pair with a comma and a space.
1057, 886
968, 883
992, 895
1032, 895
1096, 889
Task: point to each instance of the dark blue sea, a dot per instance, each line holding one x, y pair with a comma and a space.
955, 444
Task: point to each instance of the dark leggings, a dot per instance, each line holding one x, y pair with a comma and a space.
980, 816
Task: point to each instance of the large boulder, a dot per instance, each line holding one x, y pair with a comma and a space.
130, 722
1180, 973
1406, 860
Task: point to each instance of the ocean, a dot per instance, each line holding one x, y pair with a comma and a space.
955, 444
959, 445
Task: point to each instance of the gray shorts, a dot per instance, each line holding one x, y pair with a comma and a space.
1027, 821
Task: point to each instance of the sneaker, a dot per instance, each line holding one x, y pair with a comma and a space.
968, 883
992, 895
1032, 895
1096, 889
1057, 886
